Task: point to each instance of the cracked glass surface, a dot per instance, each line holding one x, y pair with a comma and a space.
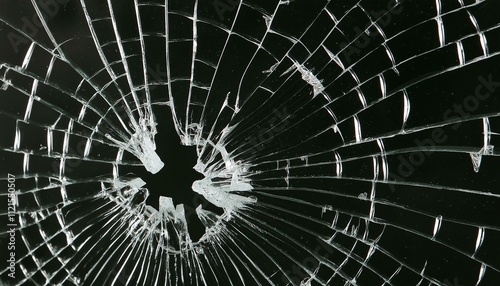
225, 142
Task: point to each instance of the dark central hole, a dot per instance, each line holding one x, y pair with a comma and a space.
177, 176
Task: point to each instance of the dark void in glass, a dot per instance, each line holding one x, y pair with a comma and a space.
177, 176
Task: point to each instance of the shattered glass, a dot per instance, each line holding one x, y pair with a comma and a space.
224, 142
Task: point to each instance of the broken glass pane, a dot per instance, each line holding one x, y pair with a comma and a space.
225, 142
